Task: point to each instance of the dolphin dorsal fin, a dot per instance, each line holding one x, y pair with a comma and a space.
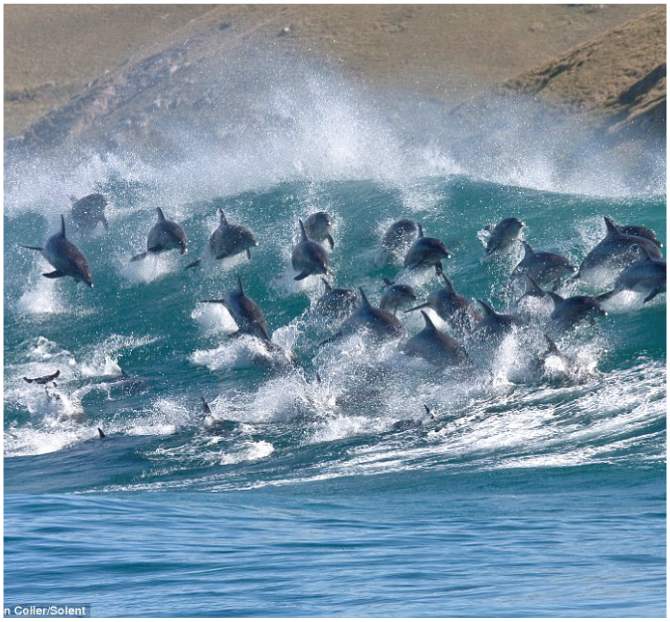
101, 434
387, 282
239, 284
318, 377
303, 233
528, 249
366, 302
427, 409
161, 216
490, 311
612, 228
222, 217
420, 229
62, 226
205, 406
429, 322
556, 298
552, 347
448, 285
326, 284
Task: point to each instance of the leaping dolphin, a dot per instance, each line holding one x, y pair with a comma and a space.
319, 227
647, 275
399, 237
308, 257
504, 235
65, 257
396, 296
336, 301
228, 240
165, 235
544, 268
88, 211
434, 346
426, 252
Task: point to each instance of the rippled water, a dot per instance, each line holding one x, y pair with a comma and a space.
527, 494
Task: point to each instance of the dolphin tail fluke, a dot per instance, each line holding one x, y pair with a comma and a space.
330, 241
56, 274
193, 264
303, 275
652, 294
421, 306
139, 256
32, 248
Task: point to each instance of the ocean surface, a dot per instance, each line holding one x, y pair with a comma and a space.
527, 494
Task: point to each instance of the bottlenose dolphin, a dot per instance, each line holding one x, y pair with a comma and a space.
319, 227
43, 379
228, 240
246, 313
165, 235
568, 312
616, 250
647, 275
382, 324
434, 346
65, 257
451, 306
88, 211
504, 235
399, 236
544, 268
308, 257
336, 300
396, 295
496, 325
426, 252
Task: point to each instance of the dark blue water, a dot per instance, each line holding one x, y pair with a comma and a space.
529, 494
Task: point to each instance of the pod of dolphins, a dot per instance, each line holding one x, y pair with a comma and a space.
631, 250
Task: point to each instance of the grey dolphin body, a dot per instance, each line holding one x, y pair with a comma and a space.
319, 227
426, 252
544, 268
496, 325
452, 306
65, 257
308, 257
616, 250
399, 236
568, 312
165, 235
396, 296
647, 275
434, 346
246, 313
381, 324
336, 301
88, 211
504, 235
228, 240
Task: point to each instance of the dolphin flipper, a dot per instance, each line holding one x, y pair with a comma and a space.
302, 275
421, 306
330, 241
193, 264
652, 294
249, 254
32, 248
138, 257
56, 274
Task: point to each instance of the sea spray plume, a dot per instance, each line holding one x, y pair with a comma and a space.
65, 257
616, 250
319, 227
543, 267
228, 240
308, 257
504, 235
165, 235
426, 252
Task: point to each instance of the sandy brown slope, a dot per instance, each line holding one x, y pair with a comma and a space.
619, 77
89, 61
